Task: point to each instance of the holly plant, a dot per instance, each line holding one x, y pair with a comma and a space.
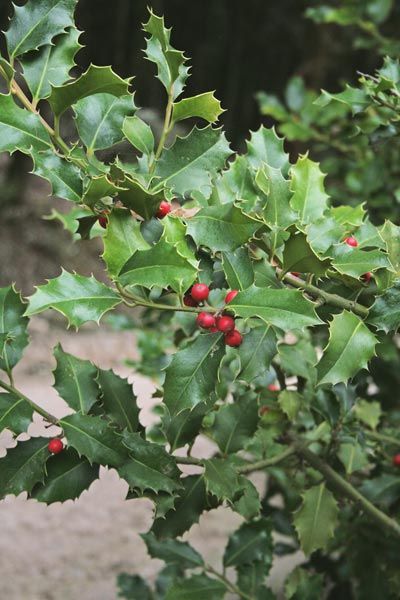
257, 306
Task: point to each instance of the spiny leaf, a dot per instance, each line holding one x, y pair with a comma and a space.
139, 134
284, 308
175, 233
51, 64
20, 129
97, 188
236, 183
238, 269
265, 146
192, 375
36, 23
74, 380
67, 477
79, 299
196, 587
118, 399
385, 312
139, 199
172, 551
277, 212
23, 466
256, 352
324, 233
235, 424
316, 519
352, 456
205, 106
96, 80
303, 584
291, 403
249, 503
221, 479
354, 262
66, 178
298, 256
391, 235
182, 428
252, 541
351, 345
13, 325
383, 490
15, 413
191, 162
309, 197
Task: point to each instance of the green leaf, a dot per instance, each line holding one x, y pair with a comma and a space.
354, 262
121, 240
249, 503
299, 359
161, 265
291, 403
149, 467
192, 374
67, 477
175, 234
92, 437
251, 577
37, 23
133, 587
96, 80
172, 551
98, 188
15, 413
64, 176
284, 308
369, 412
316, 519
223, 227
298, 256
390, 233
235, 424
352, 456
99, 119
383, 490
142, 201
256, 352
236, 183
351, 345
251, 542
277, 212
51, 64
356, 99
196, 587
192, 161
221, 478
385, 312
188, 508
14, 326
20, 129
182, 428
238, 269
74, 380
79, 299
205, 106
23, 466
309, 197
323, 233
118, 400
139, 134
303, 584
265, 146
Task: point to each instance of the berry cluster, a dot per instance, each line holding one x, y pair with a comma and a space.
223, 323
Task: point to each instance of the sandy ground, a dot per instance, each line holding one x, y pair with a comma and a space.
75, 550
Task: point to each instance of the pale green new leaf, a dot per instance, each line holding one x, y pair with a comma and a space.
23, 466
390, 233
20, 129
66, 178
37, 23
316, 519
369, 412
13, 326
309, 197
139, 134
196, 587
205, 106
118, 400
291, 403
15, 413
79, 299
192, 374
74, 380
351, 345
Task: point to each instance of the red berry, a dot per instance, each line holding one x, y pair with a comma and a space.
55, 446
199, 292
233, 338
188, 301
225, 324
264, 410
164, 209
213, 329
230, 296
396, 460
295, 273
205, 320
366, 277
272, 387
350, 241
103, 220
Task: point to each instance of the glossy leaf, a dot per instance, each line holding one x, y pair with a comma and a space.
354, 262
324, 233
351, 345
265, 146
192, 374
86, 299
250, 579
96, 80
205, 106
309, 197
191, 162
97, 188
196, 587
277, 211
182, 428
222, 228
23, 466
67, 477
172, 551
66, 178
249, 503
221, 478
13, 325
385, 312
139, 134
298, 256
316, 519
142, 201
51, 64
238, 269
303, 584
74, 380
251, 542
149, 466
236, 183
92, 437
15, 413
37, 23
256, 352
118, 400
283, 308
20, 129
175, 234
235, 424
99, 119
121, 240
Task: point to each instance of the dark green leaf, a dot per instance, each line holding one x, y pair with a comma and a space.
251, 542
182, 428
23, 466
20, 129
221, 479
385, 312
256, 352
79, 299
236, 183
192, 375
133, 587
383, 490
235, 424
139, 199
74, 380
251, 577
118, 400
355, 263
139, 134
67, 477
238, 269
316, 519
196, 587
99, 187
172, 551
323, 233
352, 456
309, 197
249, 503
64, 176
277, 212
298, 256
15, 413
303, 584
121, 240
13, 325
266, 147
391, 235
